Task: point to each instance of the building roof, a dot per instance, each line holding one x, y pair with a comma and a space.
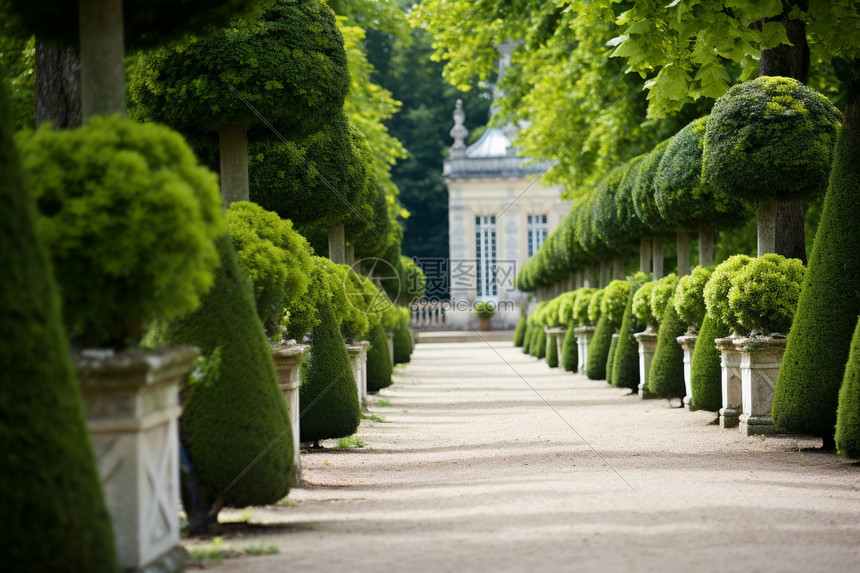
493, 143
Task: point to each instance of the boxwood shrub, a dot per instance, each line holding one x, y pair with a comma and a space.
690, 297
403, 338
848, 410
663, 294
717, 289
666, 377
520, 332
764, 293
379, 367
641, 304
705, 370
625, 366
551, 352
570, 350
581, 306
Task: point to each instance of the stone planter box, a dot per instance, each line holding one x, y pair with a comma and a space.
688, 344
647, 347
131, 400
286, 356
583, 339
730, 367
760, 361
556, 335
358, 360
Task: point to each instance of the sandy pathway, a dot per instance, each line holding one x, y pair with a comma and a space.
479, 469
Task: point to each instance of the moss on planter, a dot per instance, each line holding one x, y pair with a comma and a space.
666, 377
705, 373
598, 349
625, 367
610, 360
569, 350
328, 394
551, 352
848, 411
379, 366
520, 332
53, 508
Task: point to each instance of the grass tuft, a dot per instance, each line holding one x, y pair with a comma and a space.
350, 442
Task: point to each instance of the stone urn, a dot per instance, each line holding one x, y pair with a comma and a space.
556, 335
760, 361
131, 399
583, 339
358, 361
287, 356
647, 340
688, 344
730, 380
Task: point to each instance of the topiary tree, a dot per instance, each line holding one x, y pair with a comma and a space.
641, 305
612, 302
689, 298
328, 394
275, 258
610, 359
717, 289
579, 312
235, 423
569, 350
551, 352
686, 202
848, 410
633, 226
663, 294
402, 338
50, 489
666, 376
520, 331
129, 218
625, 364
765, 292
379, 366
769, 139
705, 367
645, 205
289, 64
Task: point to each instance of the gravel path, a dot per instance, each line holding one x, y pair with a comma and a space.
490, 462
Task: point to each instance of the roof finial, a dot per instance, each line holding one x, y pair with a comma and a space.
459, 131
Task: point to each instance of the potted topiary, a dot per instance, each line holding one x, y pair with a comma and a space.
612, 303
129, 218
666, 376
690, 306
647, 339
763, 298
554, 331
585, 328
625, 364
484, 310
569, 356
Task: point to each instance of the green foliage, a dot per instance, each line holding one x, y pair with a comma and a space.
485, 309
594, 306
610, 359
569, 350
625, 366
641, 304
552, 311
328, 394
520, 332
666, 377
614, 301
717, 289
413, 281
663, 294
303, 314
275, 258
403, 338
690, 298
598, 349
551, 352
379, 365
565, 306
240, 413
539, 345
765, 292
705, 372
289, 64
51, 492
633, 226
129, 218
605, 212
818, 343
18, 72
769, 137
644, 199
581, 306
848, 411
527, 337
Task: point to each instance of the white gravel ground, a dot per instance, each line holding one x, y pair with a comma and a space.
493, 462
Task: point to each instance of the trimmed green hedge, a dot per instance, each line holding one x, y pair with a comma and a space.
818, 343
328, 394
527, 338
520, 332
50, 492
379, 366
625, 367
764, 293
569, 350
403, 338
666, 377
539, 350
598, 349
705, 370
848, 411
610, 360
551, 352
690, 296
716, 291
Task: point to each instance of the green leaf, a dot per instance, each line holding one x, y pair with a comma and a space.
772, 35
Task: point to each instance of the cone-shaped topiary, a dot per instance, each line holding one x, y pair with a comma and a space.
520, 332
379, 366
551, 352
848, 411
625, 367
598, 349
527, 338
402, 338
705, 374
666, 377
818, 343
328, 394
610, 359
51, 493
540, 342
612, 301
239, 411
570, 350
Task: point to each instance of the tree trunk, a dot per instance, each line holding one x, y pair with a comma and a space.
706, 245
766, 226
233, 146
789, 61
337, 244
618, 267
58, 86
657, 254
350, 255
683, 245
645, 255
102, 51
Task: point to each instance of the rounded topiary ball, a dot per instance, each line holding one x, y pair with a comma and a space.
690, 296
644, 202
129, 217
716, 290
594, 306
614, 301
663, 294
580, 306
764, 293
769, 137
642, 304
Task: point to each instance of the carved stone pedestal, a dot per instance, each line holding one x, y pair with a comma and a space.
647, 347
131, 400
556, 336
761, 359
286, 356
358, 360
688, 344
583, 339
730, 363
